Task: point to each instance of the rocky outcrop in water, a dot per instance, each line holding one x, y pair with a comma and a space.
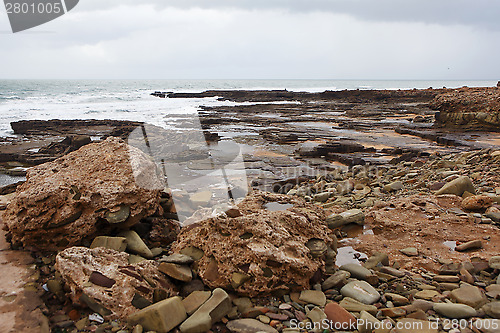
90, 191
477, 108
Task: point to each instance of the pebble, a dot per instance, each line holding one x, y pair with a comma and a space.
494, 262
454, 311
357, 271
178, 272
410, 251
360, 291
337, 279
470, 295
337, 314
248, 325
472, 245
313, 296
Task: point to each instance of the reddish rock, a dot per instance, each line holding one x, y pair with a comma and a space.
63, 201
477, 202
267, 246
90, 273
337, 314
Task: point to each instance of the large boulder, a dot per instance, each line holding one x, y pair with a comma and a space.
263, 251
82, 194
103, 280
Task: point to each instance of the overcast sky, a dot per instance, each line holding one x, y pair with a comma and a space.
260, 39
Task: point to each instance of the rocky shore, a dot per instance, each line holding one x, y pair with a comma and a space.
403, 237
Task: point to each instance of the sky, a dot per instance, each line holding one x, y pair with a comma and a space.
260, 39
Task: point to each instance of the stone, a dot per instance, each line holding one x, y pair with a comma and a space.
393, 187
113, 243
410, 251
494, 262
351, 216
248, 325
352, 305
477, 202
118, 214
161, 317
472, 245
243, 304
321, 197
360, 291
62, 202
217, 306
392, 271
337, 279
177, 258
454, 311
113, 300
266, 245
396, 299
313, 297
393, 312
495, 216
135, 244
337, 314
427, 294
357, 271
446, 278
458, 187
193, 252
492, 309
470, 295
376, 260
178, 272
237, 279
367, 323
195, 300
493, 291
316, 315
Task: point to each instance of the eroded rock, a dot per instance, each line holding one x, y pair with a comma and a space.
82, 195
104, 278
268, 247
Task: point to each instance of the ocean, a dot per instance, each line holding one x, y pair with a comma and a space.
131, 100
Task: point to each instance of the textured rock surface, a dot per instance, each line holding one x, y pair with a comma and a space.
469, 107
66, 200
267, 247
79, 266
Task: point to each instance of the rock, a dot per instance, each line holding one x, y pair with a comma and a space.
495, 216
195, 300
135, 244
410, 251
360, 291
62, 201
351, 216
427, 294
340, 317
377, 259
249, 325
472, 245
454, 311
335, 280
178, 272
367, 323
352, 305
316, 315
458, 186
492, 309
217, 306
177, 258
494, 262
113, 243
393, 187
357, 271
114, 282
243, 304
317, 247
313, 297
446, 278
321, 197
470, 295
392, 271
161, 317
118, 214
265, 245
477, 202
396, 299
